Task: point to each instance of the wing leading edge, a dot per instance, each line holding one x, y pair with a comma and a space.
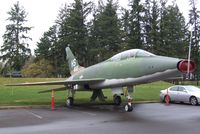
64, 82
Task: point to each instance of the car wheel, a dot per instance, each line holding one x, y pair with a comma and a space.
167, 97
193, 101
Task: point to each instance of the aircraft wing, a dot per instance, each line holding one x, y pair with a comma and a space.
64, 82
55, 89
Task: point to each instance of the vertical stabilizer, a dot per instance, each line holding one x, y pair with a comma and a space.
72, 62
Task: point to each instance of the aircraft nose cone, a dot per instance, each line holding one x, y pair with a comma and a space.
183, 66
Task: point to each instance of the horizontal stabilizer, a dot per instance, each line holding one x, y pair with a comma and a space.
64, 82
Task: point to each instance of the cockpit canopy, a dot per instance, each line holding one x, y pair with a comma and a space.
133, 53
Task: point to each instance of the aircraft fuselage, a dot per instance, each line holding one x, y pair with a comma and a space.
130, 71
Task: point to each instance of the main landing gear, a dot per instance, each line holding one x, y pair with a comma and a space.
70, 99
98, 93
128, 94
117, 99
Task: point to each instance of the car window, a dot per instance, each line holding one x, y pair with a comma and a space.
193, 89
181, 89
173, 89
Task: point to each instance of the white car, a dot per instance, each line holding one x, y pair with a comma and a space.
181, 93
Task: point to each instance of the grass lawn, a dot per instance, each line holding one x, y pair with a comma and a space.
29, 95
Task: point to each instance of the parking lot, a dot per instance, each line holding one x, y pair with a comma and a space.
149, 118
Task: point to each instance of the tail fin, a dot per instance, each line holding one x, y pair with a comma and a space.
72, 62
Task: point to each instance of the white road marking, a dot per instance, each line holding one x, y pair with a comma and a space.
89, 113
35, 115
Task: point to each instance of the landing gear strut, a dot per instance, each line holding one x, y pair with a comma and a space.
97, 93
70, 99
128, 107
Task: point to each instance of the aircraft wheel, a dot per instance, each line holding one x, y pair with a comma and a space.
70, 101
117, 99
128, 108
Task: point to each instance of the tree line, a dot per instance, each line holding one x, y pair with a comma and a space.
96, 32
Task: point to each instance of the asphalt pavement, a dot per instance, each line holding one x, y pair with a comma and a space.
152, 118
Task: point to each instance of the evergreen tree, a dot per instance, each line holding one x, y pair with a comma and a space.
146, 25
62, 23
46, 44
173, 32
194, 21
70, 30
135, 36
151, 26
49, 48
78, 31
125, 29
161, 48
154, 28
15, 48
106, 31
171, 38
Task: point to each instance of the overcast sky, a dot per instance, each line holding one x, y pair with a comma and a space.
42, 14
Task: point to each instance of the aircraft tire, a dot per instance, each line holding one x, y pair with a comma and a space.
128, 108
117, 99
70, 101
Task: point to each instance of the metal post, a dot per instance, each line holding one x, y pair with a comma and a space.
167, 98
52, 100
189, 54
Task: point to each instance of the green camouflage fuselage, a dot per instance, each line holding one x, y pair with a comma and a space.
132, 68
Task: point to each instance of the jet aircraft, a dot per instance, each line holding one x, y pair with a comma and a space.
125, 69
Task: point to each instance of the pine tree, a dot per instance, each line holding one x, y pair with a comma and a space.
125, 29
62, 23
46, 47
146, 25
154, 31
50, 48
106, 30
163, 11
78, 30
173, 32
135, 36
194, 21
15, 48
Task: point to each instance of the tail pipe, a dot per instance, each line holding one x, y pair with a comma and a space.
183, 66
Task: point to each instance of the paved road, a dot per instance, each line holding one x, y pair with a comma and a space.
151, 118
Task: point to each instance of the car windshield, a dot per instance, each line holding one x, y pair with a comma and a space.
193, 89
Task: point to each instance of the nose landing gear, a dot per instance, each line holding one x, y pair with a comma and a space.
129, 107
